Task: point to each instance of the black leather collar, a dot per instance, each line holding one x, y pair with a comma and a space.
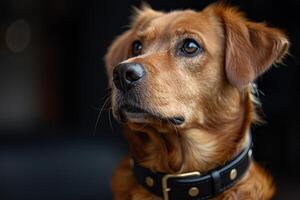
193, 185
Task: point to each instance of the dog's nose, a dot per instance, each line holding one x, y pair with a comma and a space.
125, 75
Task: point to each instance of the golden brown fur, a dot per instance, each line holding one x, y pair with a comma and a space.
211, 91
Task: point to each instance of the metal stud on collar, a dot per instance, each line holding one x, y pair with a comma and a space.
250, 153
233, 174
149, 181
193, 191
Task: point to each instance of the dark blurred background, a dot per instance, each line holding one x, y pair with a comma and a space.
53, 85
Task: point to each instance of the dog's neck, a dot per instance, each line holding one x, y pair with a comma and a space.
191, 149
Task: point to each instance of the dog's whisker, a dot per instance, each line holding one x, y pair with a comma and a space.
99, 115
109, 119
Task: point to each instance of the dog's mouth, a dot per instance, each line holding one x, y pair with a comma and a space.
138, 114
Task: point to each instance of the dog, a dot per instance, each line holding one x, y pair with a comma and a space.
182, 87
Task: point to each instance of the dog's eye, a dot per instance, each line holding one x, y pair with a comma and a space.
190, 48
137, 48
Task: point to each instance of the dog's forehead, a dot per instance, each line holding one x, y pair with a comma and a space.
172, 17
186, 22
175, 22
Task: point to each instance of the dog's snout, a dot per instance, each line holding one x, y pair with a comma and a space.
125, 75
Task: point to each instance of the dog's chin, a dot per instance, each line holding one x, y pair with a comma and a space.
138, 115
138, 118
135, 114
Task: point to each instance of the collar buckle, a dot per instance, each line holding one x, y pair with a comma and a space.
166, 189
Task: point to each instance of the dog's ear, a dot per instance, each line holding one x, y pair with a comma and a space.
120, 49
250, 48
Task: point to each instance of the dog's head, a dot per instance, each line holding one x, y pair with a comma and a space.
188, 68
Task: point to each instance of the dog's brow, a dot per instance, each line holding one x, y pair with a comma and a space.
183, 31
148, 34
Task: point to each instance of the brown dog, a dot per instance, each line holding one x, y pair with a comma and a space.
181, 85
